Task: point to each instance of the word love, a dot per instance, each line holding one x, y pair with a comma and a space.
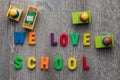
19, 38
44, 63
74, 39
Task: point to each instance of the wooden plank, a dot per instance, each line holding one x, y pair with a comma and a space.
4, 45
103, 22
24, 50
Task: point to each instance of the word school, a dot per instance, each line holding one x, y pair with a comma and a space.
19, 38
44, 63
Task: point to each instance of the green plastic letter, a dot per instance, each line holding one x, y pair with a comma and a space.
58, 63
18, 62
74, 38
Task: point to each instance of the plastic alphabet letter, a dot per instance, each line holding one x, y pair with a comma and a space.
86, 39
18, 62
85, 66
63, 39
53, 43
32, 38
72, 63
19, 37
74, 39
44, 63
31, 62
58, 63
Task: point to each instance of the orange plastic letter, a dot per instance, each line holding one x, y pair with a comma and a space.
44, 63
32, 38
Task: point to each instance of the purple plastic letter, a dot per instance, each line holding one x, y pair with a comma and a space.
53, 42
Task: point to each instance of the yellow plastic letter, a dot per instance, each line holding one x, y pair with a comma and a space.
86, 40
72, 64
31, 62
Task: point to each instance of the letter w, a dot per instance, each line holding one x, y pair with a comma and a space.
19, 37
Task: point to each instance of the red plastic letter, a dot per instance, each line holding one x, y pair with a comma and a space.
63, 40
85, 66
